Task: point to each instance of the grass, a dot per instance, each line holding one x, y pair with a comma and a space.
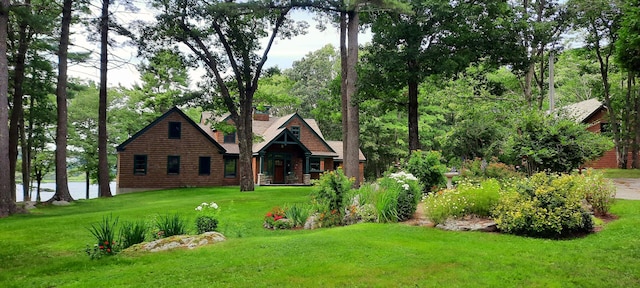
46, 249
621, 173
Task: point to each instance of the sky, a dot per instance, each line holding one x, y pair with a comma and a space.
123, 61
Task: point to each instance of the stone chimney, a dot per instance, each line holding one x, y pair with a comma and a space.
261, 113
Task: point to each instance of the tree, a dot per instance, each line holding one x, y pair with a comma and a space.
7, 205
225, 36
601, 21
553, 144
62, 186
103, 161
439, 38
165, 80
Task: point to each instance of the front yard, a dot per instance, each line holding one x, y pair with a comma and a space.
46, 249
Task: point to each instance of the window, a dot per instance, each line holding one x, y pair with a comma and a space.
173, 164
204, 166
230, 167
174, 130
230, 138
605, 128
314, 165
296, 131
140, 164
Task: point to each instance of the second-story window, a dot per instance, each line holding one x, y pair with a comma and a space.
230, 137
174, 130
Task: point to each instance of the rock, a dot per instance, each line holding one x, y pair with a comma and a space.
178, 241
30, 205
312, 222
60, 203
469, 224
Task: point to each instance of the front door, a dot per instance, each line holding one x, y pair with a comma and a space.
278, 171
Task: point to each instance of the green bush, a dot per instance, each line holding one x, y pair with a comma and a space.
406, 190
543, 206
478, 169
426, 166
104, 233
206, 223
331, 190
361, 206
132, 232
466, 199
170, 225
597, 190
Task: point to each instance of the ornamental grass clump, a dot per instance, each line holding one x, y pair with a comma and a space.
132, 232
543, 206
297, 213
207, 219
104, 233
169, 225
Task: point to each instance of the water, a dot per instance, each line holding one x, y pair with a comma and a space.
78, 190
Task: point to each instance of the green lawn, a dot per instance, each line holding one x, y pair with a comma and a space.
621, 173
46, 249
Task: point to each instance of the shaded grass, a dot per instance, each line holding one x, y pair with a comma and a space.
46, 250
621, 173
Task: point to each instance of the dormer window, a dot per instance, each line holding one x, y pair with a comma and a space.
175, 129
230, 137
296, 131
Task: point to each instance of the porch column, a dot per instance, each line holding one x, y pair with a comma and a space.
306, 162
261, 162
261, 178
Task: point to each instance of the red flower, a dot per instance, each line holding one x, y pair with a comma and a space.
101, 247
108, 250
277, 217
269, 214
106, 242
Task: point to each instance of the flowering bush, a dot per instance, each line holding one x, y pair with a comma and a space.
427, 167
466, 199
404, 193
207, 220
272, 217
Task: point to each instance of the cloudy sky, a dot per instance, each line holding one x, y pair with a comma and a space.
123, 62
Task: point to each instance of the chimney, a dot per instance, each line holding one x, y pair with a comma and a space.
261, 113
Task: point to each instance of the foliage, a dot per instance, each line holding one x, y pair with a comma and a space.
543, 206
104, 234
297, 213
554, 144
466, 199
406, 190
168, 225
599, 192
132, 232
426, 166
331, 189
478, 169
273, 216
207, 219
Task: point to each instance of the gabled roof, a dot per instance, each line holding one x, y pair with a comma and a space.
582, 111
198, 127
257, 148
315, 129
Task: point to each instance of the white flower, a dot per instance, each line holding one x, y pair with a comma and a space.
213, 205
405, 186
204, 204
199, 208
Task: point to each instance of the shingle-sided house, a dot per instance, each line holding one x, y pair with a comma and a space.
595, 114
174, 151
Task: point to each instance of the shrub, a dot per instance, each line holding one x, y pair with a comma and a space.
331, 190
543, 206
273, 216
207, 220
426, 166
104, 234
361, 207
170, 225
132, 233
466, 199
478, 169
407, 191
297, 213
597, 190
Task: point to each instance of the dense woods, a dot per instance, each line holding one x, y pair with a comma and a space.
461, 78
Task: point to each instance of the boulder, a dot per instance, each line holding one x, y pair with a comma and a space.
471, 223
179, 241
60, 203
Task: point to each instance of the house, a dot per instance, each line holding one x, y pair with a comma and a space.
290, 149
595, 114
174, 151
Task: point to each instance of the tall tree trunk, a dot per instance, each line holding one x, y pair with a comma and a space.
17, 111
245, 144
343, 80
351, 154
414, 136
103, 160
527, 86
62, 185
26, 162
7, 205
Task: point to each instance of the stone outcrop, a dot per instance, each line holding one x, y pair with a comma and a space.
178, 241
